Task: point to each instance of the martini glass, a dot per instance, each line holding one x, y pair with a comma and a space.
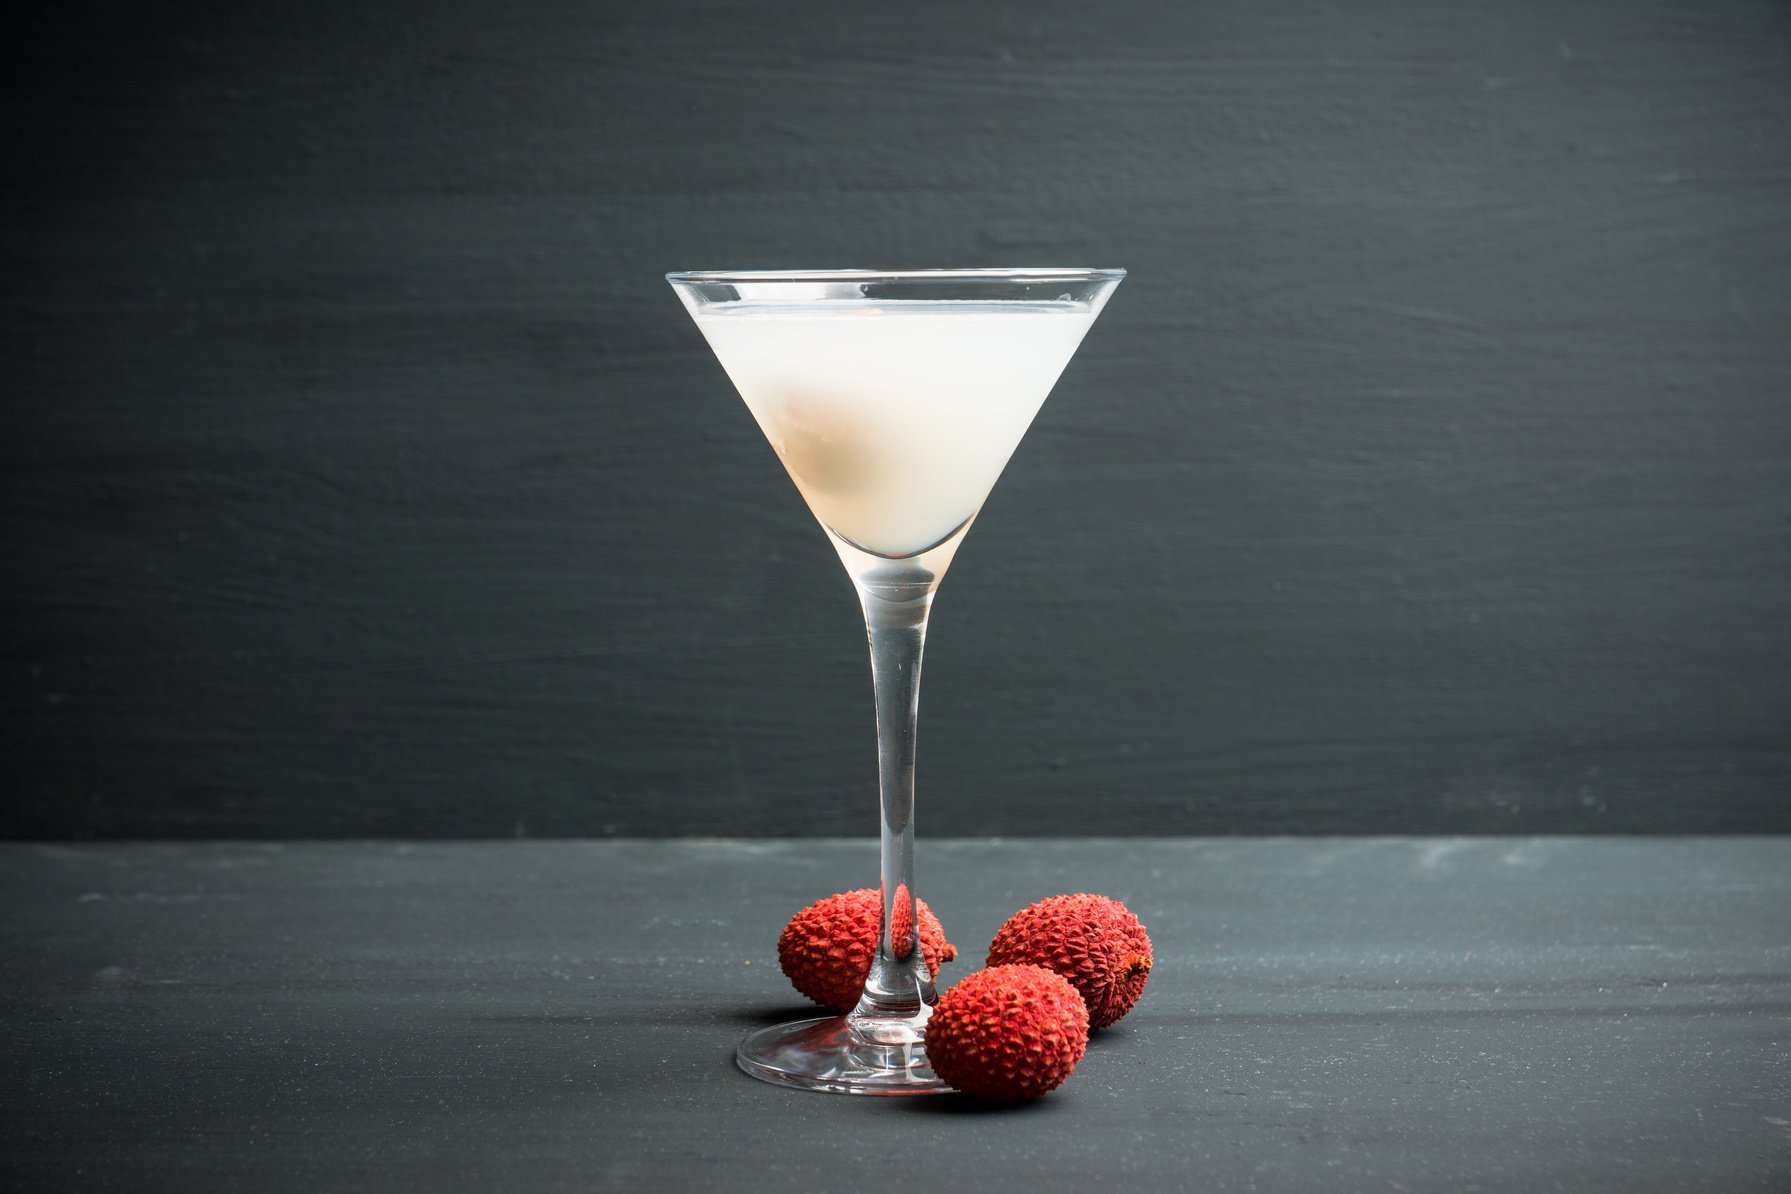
894, 401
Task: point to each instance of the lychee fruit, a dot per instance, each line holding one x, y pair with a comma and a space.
826, 949
1091, 940
1008, 1032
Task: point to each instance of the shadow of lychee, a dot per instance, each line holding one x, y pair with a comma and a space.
956, 1103
768, 1014
1113, 1034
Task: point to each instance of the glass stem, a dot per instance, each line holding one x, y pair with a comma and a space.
898, 991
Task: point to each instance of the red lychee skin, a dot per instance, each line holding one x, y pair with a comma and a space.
1008, 1032
1091, 940
826, 949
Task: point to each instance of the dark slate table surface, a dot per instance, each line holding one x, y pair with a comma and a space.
1354, 1014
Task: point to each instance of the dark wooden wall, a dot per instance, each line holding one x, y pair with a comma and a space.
1432, 472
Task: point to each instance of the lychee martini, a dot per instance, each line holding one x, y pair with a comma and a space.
894, 401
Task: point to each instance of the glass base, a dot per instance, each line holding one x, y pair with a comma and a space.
827, 1054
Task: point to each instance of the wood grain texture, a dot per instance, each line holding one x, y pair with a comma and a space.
1496, 1015
1432, 471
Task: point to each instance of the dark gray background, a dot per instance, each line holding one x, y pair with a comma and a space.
360, 475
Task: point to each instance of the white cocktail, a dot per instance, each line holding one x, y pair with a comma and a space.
895, 418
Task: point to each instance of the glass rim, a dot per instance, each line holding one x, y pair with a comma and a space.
1067, 274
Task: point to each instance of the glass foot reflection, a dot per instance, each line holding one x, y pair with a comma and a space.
829, 1054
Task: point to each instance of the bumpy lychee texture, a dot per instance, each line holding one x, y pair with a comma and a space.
1008, 1032
1094, 942
826, 949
